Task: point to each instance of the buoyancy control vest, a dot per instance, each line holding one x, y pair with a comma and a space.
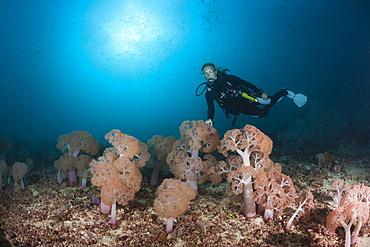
229, 96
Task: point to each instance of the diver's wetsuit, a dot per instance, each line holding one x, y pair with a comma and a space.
224, 91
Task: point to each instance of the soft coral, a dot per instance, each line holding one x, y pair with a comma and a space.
341, 187
119, 177
354, 212
184, 161
354, 208
245, 142
159, 147
305, 204
274, 191
172, 200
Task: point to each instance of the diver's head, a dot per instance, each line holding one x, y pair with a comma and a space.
209, 71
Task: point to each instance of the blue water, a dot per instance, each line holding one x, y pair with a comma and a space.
134, 65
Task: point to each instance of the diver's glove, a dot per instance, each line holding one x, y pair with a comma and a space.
264, 96
261, 94
209, 121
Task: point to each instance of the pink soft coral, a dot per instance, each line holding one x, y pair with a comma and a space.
245, 142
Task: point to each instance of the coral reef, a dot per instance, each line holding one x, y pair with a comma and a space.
48, 213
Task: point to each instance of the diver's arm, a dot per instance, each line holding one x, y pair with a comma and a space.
210, 105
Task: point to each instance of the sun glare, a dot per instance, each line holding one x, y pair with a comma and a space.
134, 28
125, 41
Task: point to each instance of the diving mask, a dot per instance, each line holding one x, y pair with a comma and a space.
209, 73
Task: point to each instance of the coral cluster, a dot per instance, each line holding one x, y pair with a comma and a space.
244, 197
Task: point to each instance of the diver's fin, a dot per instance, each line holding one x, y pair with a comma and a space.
300, 99
290, 94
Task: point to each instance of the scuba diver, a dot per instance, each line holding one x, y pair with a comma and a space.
235, 96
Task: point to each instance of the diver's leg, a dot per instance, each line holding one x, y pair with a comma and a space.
277, 96
253, 110
274, 99
263, 101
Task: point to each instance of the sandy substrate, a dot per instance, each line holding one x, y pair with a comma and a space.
48, 214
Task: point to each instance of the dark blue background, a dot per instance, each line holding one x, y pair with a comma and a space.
134, 65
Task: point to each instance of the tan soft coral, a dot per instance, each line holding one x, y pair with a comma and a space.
77, 141
119, 178
117, 172
357, 194
196, 136
184, 160
82, 167
159, 147
222, 168
304, 203
203, 136
124, 144
355, 212
66, 168
172, 200
101, 169
245, 142
324, 160
104, 170
274, 191
19, 171
129, 147
184, 167
73, 144
340, 186
142, 156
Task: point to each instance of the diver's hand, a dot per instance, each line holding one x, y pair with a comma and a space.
264, 96
210, 122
